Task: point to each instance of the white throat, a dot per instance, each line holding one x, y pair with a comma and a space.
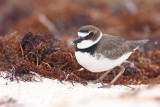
88, 43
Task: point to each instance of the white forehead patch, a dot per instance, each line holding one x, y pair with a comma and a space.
83, 34
87, 43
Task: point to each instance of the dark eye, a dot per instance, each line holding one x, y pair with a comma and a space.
91, 34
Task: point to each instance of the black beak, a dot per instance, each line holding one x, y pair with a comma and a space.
78, 40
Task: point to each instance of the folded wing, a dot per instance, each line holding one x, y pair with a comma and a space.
114, 47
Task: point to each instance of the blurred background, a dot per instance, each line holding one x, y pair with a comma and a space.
131, 19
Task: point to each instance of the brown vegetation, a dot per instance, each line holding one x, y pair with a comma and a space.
47, 56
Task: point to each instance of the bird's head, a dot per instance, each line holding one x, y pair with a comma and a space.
87, 36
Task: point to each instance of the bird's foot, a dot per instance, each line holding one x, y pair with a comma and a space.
97, 81
106, 86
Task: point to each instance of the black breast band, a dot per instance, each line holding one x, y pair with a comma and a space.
88, 50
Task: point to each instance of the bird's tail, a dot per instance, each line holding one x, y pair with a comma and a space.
140, 42
136, 43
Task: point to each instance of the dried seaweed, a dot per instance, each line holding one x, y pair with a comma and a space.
46, 56
8, 102
39, 54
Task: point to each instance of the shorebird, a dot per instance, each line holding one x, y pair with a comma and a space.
99, 52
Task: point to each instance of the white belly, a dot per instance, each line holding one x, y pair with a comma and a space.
95, 64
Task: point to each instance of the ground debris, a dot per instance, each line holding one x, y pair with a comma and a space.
31, 55
9, 102
38, 55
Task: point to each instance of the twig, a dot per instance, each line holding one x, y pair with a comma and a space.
13, 72
46, 64
37, 60
47, 23
37, 75
130, 87
22, 52
63, 65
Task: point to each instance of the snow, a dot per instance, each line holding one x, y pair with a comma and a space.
52, 93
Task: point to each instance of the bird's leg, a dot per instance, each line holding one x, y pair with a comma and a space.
101, 77
111, 83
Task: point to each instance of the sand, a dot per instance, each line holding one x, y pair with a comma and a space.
52, 93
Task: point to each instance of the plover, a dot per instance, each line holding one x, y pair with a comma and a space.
99, 52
